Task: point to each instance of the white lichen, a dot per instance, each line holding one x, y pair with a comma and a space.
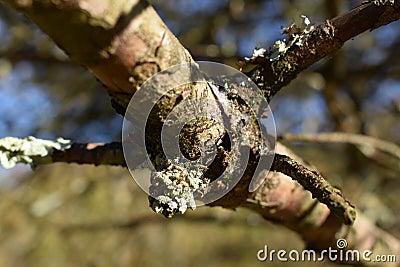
259, 52
306, 20
29, 150
383, 2
297, 36
173, 189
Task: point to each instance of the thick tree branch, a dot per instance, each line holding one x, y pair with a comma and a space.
282, 200
123, 42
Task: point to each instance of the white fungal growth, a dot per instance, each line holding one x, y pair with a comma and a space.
297, 36
257, 52
174, 187
280, 46
305, 20
383, 2
260, 52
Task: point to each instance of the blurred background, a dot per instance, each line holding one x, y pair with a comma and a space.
72, 215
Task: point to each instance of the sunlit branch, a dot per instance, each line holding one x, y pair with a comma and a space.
302, 49
317, 185
96, 154
35, 152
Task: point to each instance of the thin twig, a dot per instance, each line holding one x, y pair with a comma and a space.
97, 154
36, 151
355, 139
317, 185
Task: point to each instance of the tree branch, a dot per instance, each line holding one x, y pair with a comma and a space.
36, 152
126, 43
123, 43
317, 185
279, 198
337, 137
371, 147
304, 48
92, 153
